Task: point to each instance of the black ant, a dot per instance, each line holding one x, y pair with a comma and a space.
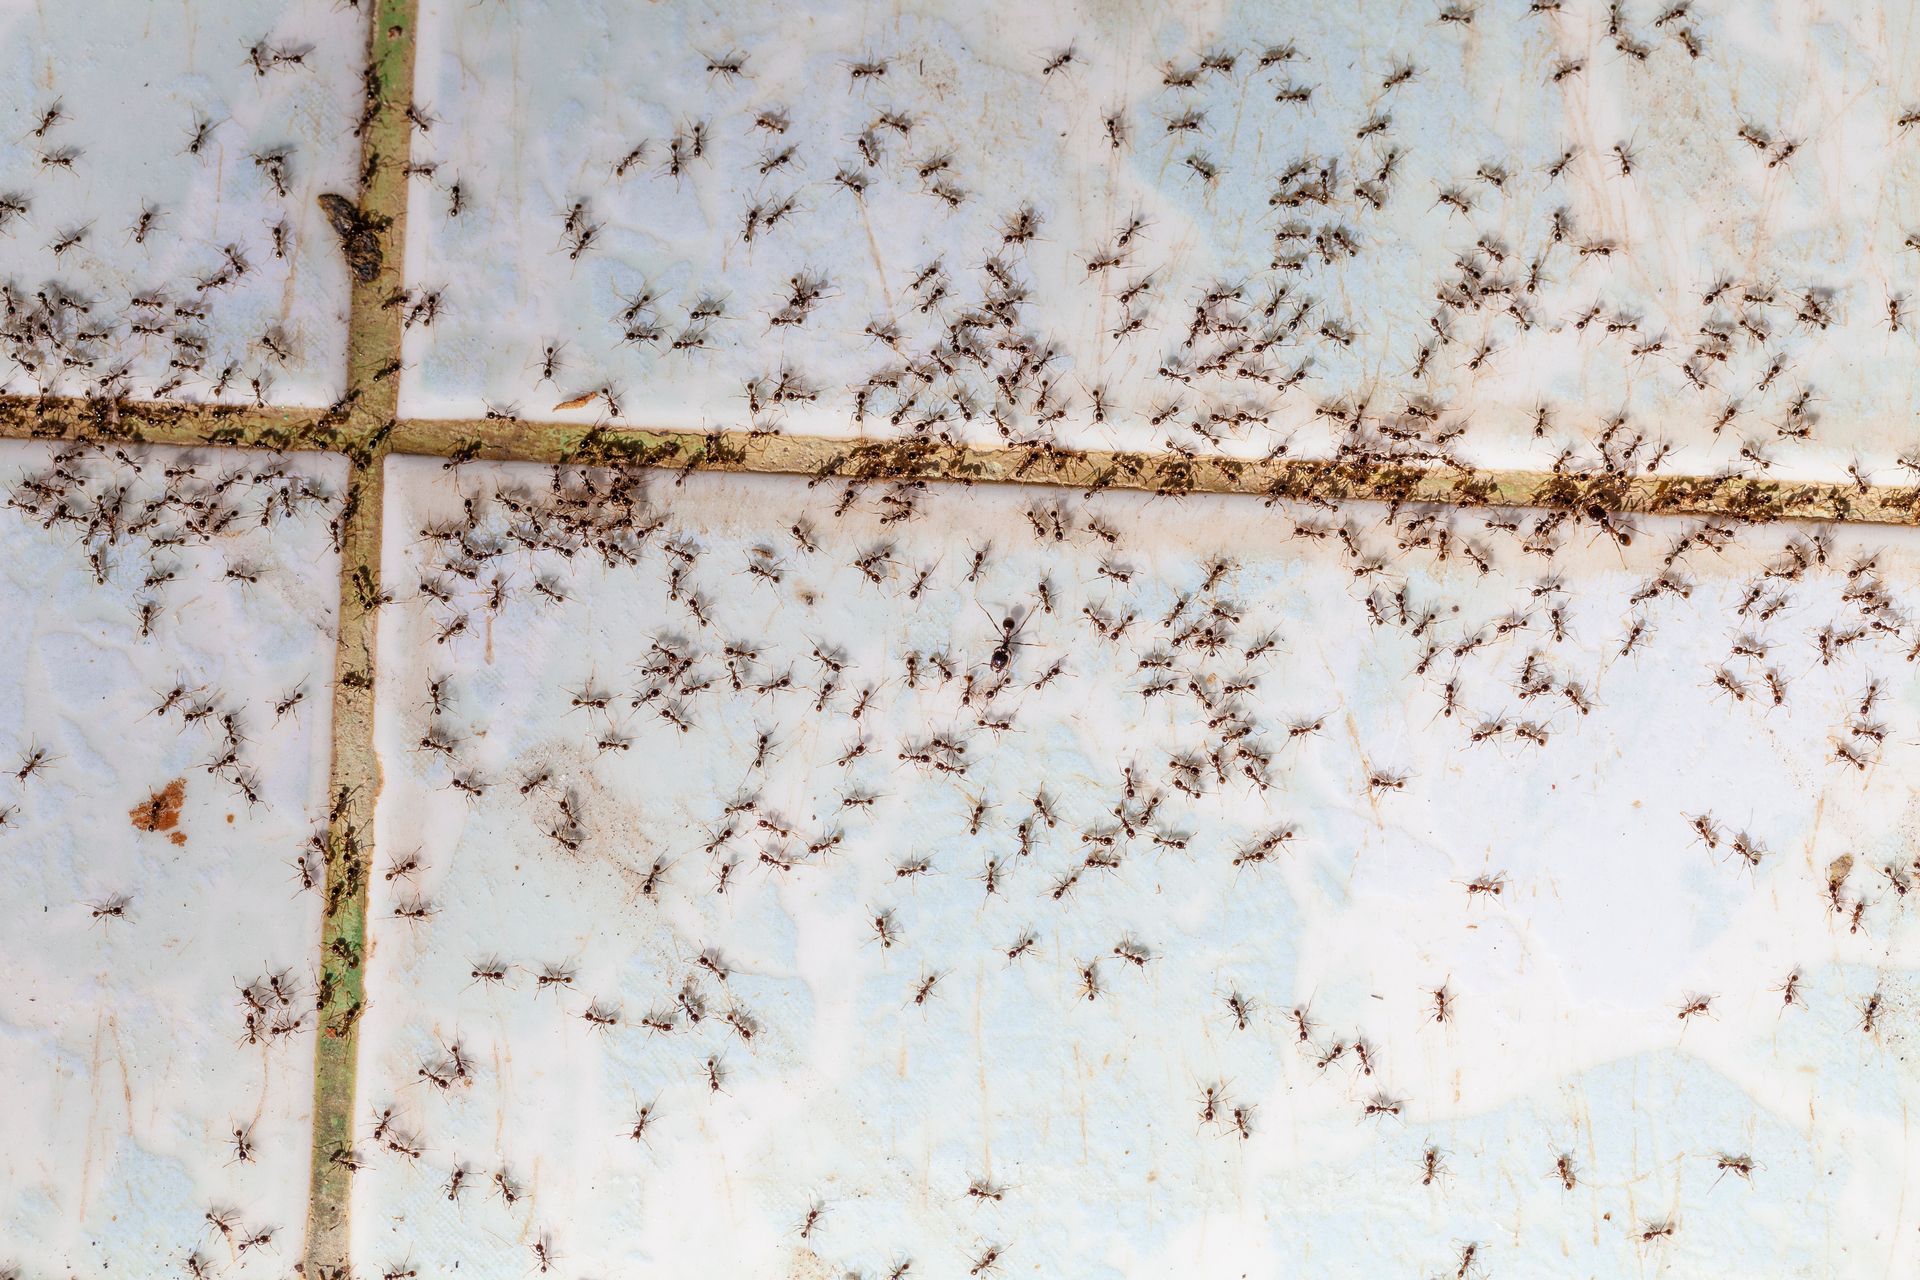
1010, 629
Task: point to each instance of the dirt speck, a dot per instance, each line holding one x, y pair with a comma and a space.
161, 810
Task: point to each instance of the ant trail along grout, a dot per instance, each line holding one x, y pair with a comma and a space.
373, 432
1590, 494
373, 238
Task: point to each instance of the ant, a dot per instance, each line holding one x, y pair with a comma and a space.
1010, 629
52, 116
1790, 989
550, 361
643, 1119
1693, 1007
32, 763
987, 1261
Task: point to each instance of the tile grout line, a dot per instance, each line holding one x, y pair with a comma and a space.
371, 428
376, 255
61, 418
1587, 494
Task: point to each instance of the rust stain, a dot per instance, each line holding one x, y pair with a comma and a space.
161, 810
93, 1118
